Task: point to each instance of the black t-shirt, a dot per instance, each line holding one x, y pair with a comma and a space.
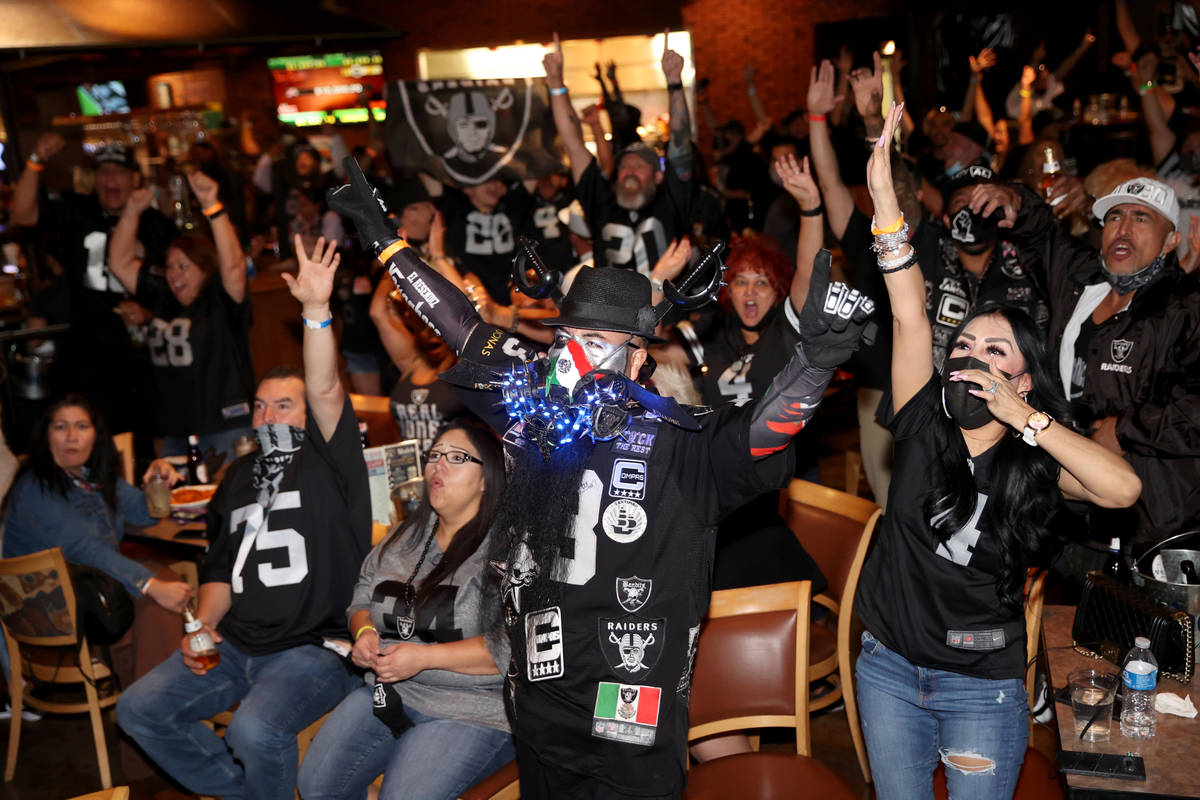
544, 227
482, 243
936, 603
292, 569
634, 239
353, 297
589, 696
419, 411
200, 357
79, 232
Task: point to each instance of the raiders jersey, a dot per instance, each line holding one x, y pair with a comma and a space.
200, 357
292, 566
634, 239
482, 243
600, 679
936, 603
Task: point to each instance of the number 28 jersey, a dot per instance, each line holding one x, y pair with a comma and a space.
292, 567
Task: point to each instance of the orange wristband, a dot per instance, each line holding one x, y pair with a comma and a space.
391, 250
893, 228
214, 209
35, 166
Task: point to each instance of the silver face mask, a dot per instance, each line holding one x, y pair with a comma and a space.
572, 357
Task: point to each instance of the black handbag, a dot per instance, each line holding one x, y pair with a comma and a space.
1111, 615
103, 609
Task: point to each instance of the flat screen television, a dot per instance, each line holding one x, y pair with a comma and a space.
96, 99
313, 90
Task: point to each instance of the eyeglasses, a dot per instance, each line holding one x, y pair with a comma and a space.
455, 457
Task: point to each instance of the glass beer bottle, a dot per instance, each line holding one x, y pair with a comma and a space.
200, 641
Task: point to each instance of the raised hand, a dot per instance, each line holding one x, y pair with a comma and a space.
673, 260
590, 115
672, 62
845, 61
139, 201
1028, 76
313, 283
598, 74
204, 187
985, 60
359, 201
833, 318
1147, 65
867, 85
821, 94
798, 180
553, 63
47, 145
879, 171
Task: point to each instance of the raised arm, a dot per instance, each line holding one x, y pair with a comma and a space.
845, 65
123, 260
25, 195
564, 115
1162, 138
798, 181
604, 153
1126, 28
679, 143
1025, 112
756, 103
980, 63
912, 340
312, 286
1071, 60
229, 248
839, 203
395, 336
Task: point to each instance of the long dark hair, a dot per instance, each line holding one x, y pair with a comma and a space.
1024, 486
101, 464
470, 536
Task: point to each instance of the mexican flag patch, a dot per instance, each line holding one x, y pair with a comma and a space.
626, 713
571, 365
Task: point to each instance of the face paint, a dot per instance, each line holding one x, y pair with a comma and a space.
968, 411
573, 357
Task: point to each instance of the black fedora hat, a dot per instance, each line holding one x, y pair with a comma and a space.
609, 299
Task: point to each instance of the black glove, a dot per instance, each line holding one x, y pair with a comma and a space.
834, 317
359, 201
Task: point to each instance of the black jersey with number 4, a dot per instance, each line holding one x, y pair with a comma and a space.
936, 602
634, 239
201, 359
601, 679
292, 567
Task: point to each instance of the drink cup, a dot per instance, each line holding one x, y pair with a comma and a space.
1092, 695
158, 496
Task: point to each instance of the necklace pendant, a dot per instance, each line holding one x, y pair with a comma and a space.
405, 626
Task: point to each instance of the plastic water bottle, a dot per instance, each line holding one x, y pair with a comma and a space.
1139, 674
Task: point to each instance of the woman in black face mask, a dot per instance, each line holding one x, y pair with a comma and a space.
984, 456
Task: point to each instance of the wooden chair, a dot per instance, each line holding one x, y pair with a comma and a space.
835, 528
750, 674
503, 784
124, 445
45, 644
115, 793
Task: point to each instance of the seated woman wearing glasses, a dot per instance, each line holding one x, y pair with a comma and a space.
980, 466
432, 715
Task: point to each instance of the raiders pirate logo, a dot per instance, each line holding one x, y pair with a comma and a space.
404, 627
419, 395
473, 128
632, 593
632, 644
1120, 349
627, 710
379, 696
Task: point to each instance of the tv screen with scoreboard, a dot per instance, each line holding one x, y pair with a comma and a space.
96, 99
313, 90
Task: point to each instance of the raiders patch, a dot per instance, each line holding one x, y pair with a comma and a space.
624, 521
1120, 349
685, 680
628, 479
626, 713
632, 644
544, 645
632, 593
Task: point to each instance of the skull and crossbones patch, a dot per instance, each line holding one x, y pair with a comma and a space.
632, 644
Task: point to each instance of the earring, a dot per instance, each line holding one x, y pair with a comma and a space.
1024, 395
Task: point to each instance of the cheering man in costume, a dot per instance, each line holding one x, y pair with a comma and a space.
613, 502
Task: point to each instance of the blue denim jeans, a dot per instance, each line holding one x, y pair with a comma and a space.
280, 695
436, 759
912, 716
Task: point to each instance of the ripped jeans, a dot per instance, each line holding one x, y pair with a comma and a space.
912, 717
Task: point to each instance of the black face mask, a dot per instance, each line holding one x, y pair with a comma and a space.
973, 232
968, 411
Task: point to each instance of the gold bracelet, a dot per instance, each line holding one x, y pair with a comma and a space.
366, 627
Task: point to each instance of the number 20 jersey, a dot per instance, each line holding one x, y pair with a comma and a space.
292, 568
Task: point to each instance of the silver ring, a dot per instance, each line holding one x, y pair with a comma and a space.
993, 387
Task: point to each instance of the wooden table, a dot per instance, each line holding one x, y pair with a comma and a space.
1172, 757
166, 530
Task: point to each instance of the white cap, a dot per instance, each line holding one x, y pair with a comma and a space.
1142, 642
1145, 192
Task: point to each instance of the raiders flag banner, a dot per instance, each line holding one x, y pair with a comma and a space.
465, 132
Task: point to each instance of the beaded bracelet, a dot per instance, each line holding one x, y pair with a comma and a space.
887, 242
905, 264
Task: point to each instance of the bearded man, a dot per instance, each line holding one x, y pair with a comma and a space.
610, 515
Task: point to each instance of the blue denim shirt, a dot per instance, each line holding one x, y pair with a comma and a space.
81, 524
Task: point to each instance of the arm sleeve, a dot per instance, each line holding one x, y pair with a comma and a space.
360, 599
788, 405
133, 505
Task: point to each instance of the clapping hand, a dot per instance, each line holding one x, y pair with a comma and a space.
313, 282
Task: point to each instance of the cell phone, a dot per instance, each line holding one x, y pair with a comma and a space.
1102, 765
